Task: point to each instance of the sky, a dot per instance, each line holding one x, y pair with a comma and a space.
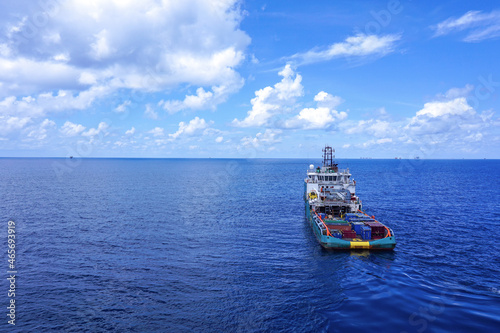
249, 79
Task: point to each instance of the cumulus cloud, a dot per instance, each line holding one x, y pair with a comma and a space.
100, 130
219, 139
194, 102
101, 49
40, 131
479, 25
157, 131
271, 101
268, 138
448, 125
150, 112
322, 117
442, 116
44, 103
447, 121
10, 124
27, 76
130, 131
204, 100
194, 127
354, 46
122, 107
70, 129
148, 45
374, 127
457, 106
373, 142
458, 92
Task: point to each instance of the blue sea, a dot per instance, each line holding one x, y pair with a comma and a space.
222, 245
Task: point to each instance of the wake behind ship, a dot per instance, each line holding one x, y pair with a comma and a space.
335, 212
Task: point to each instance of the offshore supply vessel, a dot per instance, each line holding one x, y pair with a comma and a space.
335, 212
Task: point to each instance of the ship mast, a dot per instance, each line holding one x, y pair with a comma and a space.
328, 159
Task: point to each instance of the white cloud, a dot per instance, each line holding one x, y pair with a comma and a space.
374, 127
219, 139
148, 45
195, 126
25, 76
70, 129
355, 46
39, 132
474, 137
150, 112
5, 50
271, 101
268, 138
480, 25
458, 92
194, 102
130, 131
315, 118
101, 129
40, 105
101, 49
87, 78
457, 106
122, 107
448, 123
370, 143
10, 124
157, 131
322, 117
204, 100
448, 130
443, 117
23, 107
326, 100
63, 57
385, 140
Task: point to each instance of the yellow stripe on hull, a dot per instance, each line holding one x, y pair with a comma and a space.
360, 245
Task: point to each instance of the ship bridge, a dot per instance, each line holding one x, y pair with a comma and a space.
330, 188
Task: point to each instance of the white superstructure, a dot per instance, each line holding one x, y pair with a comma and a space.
330, 190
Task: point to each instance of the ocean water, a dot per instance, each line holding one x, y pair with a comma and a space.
221, 245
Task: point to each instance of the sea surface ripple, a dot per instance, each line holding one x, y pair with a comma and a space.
211, 245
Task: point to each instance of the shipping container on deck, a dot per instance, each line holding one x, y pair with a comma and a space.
348, 234
366, 232
378, 229
357, 226
339, 226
